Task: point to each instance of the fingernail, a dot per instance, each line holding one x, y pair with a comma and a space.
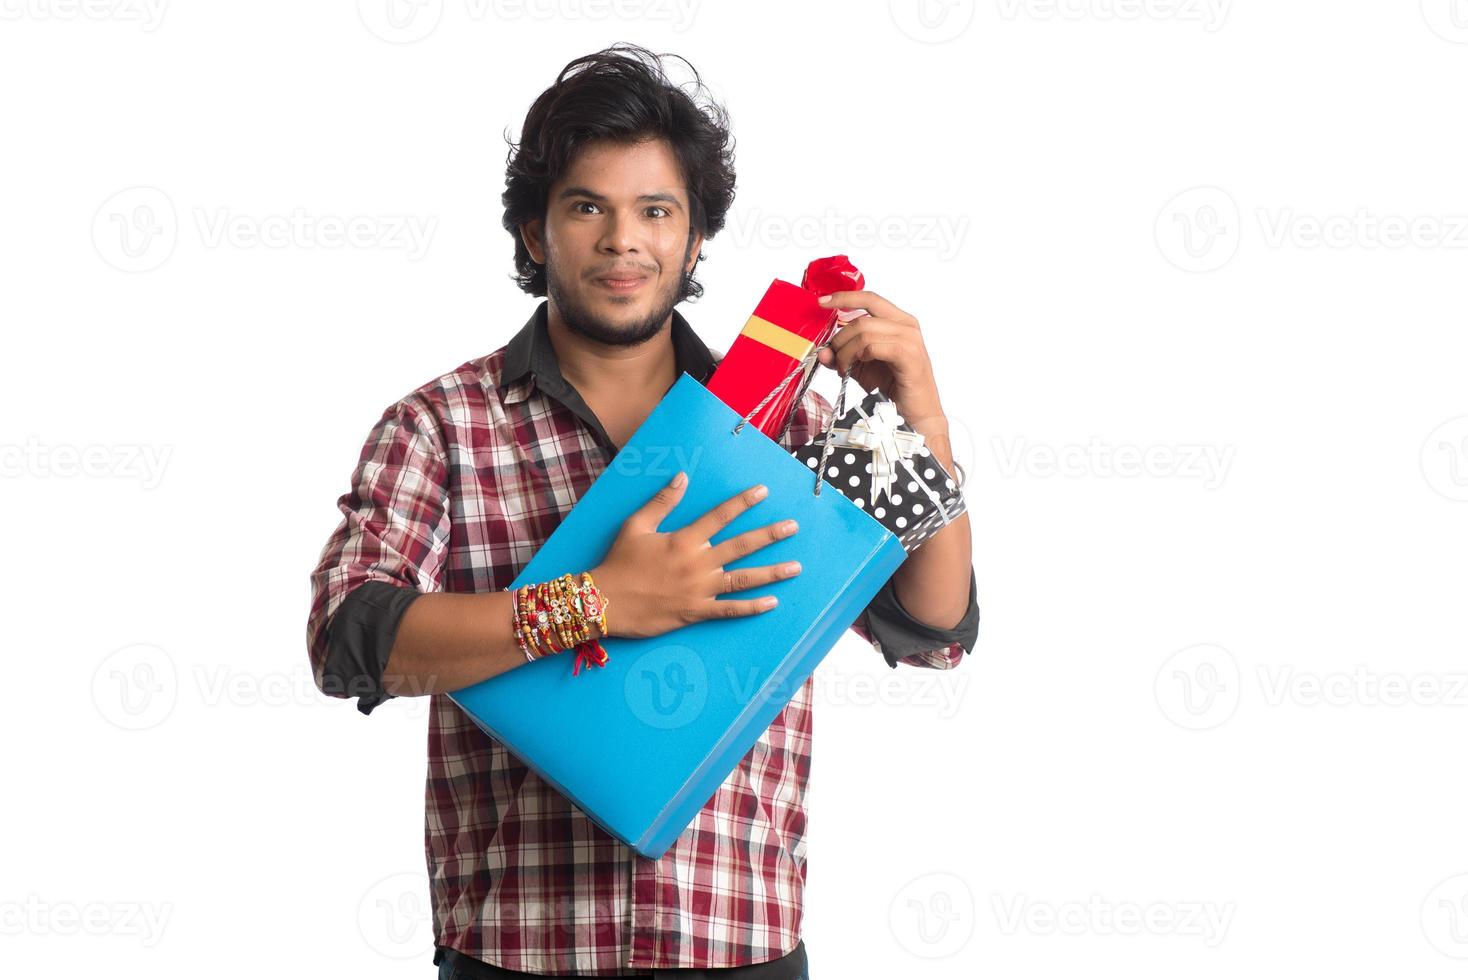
789, 527
825, 299
680, 479
761, 491
769, 602
790, 568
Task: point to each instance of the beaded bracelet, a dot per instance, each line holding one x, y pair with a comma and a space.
559, 614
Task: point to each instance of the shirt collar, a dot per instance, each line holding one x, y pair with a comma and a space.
530, 358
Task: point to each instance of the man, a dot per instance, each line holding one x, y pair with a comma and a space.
619, 178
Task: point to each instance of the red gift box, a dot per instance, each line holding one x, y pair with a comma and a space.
785, 327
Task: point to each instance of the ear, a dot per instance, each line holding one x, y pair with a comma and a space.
531, 233
693, 252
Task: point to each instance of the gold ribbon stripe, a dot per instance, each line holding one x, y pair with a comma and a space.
787, 342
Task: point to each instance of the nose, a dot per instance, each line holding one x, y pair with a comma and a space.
619, 234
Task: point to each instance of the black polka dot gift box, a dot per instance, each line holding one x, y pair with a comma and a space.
879, 463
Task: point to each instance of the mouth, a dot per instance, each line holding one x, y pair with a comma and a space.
622, 286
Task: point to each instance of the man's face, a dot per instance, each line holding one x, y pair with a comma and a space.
615, 242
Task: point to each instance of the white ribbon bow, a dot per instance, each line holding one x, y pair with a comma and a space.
880, 433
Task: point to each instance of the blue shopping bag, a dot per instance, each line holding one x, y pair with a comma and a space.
641, 743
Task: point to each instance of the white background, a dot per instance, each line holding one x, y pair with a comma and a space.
1191, 272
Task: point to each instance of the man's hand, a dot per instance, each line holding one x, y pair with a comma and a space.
656, 581
885, 349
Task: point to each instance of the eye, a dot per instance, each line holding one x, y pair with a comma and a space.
579, 204
658, 207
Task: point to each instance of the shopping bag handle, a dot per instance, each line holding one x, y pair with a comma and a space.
836, 413
805, 364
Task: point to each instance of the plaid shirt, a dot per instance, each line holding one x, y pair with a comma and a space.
458, 485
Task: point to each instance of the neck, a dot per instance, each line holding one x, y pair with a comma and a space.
589, 365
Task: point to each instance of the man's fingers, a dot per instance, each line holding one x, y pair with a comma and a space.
865, 299
733, 608
721, 514
751, 541
739, 579
661, 504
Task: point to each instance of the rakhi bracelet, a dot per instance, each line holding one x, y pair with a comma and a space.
545, 625
592, 605
530, 624
572, 604
518, 624
575, 610
582, 599
591, 602
555, 616
527, 626
561, 614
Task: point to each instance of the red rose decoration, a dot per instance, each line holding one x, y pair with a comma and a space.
833, 274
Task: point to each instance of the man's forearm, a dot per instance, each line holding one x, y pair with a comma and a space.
450, 640
933, 583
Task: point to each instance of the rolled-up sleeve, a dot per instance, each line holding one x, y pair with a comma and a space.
903, 639
394, 531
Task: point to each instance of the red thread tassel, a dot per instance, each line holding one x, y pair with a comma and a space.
591, 653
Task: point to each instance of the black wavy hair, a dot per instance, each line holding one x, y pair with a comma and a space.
619, 94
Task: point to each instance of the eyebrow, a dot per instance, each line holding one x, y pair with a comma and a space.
666, 197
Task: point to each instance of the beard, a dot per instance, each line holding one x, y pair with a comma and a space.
582, 321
